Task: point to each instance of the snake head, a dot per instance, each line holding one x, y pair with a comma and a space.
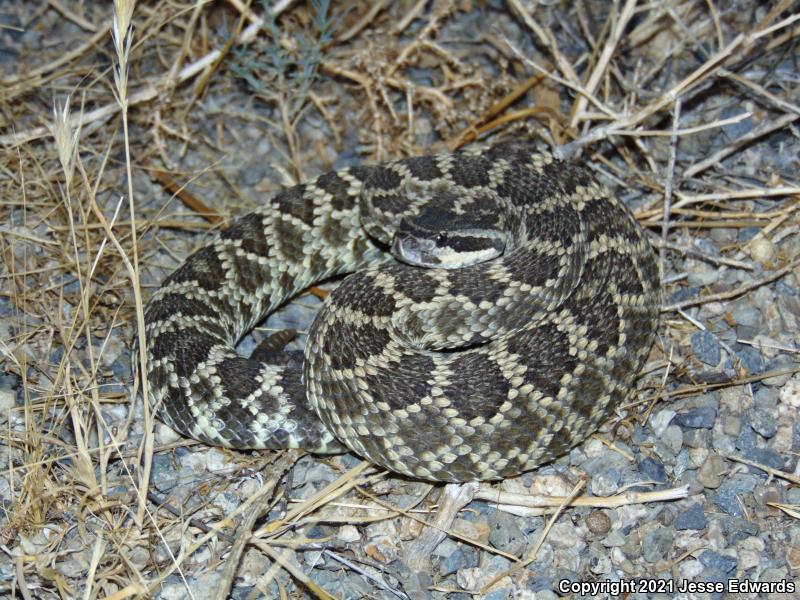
441, 237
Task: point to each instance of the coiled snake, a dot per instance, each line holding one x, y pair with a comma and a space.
449, 374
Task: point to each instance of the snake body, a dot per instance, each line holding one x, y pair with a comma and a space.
479, 372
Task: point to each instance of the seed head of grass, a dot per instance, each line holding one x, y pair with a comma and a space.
121, 33
66, 138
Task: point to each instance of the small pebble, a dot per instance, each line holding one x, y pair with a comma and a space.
692, 518
761, 249
653, 469
701, 274
706, 347
780, 364
766, 456
793, 560
667, 515
657, 544
697, 438
461, 558
673, 438
348, 534
505, 533
7, 400
731, 425
710, 472
566, 535
763, 422
702, 417
790, 393
690, 569
746, 440
750, 359
475, 530
718, 562
745, 234
732, 493
750, 550
382, 548
746, 314
661, 420
606, 482
599, 560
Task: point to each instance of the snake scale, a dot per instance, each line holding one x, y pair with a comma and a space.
448, 374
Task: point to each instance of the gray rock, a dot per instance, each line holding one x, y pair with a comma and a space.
684, 293
667, 515
310, 476
9, 382
706, 246
599, 560
746, 440
615, 539
505, 534
736, 528
778, 364
660, 420
724, 444
632, 546
683, 462
766, 456
793, 495
163, 471
446, 548
8, 398
701, 274
653, 469
718, 562
202, 586
462, 558
745, 332
731, 494
750, 358
706, 347
673, 438
710, 472
496, 563
746, 314
346, 585
732, 425
697, 438
775, 575
783, 288
763, 422
691, 518
702, 417
657, 544
606, 482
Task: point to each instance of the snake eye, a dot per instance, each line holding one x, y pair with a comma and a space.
441, 238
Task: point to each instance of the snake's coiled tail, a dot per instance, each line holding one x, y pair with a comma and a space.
453, 375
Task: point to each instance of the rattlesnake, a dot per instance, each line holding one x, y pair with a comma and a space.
449, 374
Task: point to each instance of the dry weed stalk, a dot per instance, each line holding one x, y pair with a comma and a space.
122, 34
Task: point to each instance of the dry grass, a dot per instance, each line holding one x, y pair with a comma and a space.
101, 133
